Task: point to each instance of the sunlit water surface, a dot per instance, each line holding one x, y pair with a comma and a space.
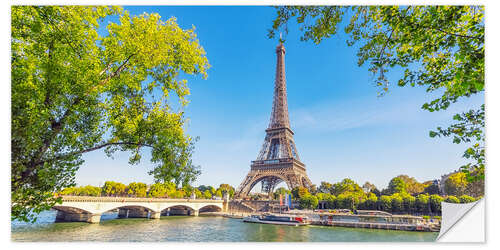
196, 229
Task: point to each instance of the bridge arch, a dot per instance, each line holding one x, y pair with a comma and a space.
69, 209
210, 208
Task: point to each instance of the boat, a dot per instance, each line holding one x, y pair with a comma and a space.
277, 220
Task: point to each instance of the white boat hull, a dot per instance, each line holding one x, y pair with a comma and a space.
257, 220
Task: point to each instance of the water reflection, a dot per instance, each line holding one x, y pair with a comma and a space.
196, 229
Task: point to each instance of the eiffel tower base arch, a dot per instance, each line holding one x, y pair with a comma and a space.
270, 178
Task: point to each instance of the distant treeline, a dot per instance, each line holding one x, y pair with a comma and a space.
403, 195
157, 190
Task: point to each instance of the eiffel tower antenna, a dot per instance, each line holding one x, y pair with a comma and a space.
278, 159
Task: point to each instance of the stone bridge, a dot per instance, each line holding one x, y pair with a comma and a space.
89, 209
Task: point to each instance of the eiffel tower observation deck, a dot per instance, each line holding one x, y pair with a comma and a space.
278, 159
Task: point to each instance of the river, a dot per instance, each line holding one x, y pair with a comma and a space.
198, 229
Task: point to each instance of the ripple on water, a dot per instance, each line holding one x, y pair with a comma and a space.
198, 229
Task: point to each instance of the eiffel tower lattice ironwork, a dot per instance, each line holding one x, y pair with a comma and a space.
278, 159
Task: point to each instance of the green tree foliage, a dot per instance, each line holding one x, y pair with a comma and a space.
226, 189
157, 190
385, 203
452, 199
283, 191
439, 47
308, 201
137, 189
397, 202
82, 191
466, 199
469, 129
198, 193
207, 194
75, 91
409, 203
396, 185
325, 187
188, 190
112, 188
370, 202
218, 193
299, 192
456, 184
346, 186
422, 203
412, 185
177, 194
435, 203
330, 200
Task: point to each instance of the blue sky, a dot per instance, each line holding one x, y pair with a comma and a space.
342, 129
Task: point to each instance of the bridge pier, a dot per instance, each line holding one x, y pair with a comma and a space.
77, 217
155, 215
195, 212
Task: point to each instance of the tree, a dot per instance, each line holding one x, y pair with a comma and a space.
330, 200
439, 47
281, 191
345, 186
409, 203
413, 187
188, 190
452, 199
435, 203
75, 90
396, 185
422, 203
207, 194
397, 202
112, 188
308, 201
157, 190
371, 201
466, 199
137, 189
385, 203
227, 189
325, 187
218, 193
299, 192
198, 194
456, 184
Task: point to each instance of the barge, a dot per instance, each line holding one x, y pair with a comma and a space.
277, 220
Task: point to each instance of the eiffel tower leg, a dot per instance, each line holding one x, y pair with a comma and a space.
245, 186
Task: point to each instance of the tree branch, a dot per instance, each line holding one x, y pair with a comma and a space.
58, 157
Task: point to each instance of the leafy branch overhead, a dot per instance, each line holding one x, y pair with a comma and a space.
76, 89
439, 47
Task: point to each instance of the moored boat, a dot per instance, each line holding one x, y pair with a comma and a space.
277, 220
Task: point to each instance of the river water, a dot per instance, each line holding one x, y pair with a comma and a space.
197, 229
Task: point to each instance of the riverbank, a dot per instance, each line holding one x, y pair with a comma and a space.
386, 221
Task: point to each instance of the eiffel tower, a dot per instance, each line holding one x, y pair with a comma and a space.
278, 159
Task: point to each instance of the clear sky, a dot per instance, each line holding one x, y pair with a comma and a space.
342, 129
